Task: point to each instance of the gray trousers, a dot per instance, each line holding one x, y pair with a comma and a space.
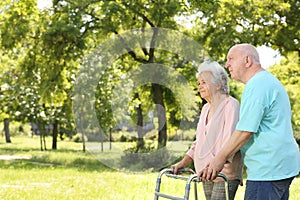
216, 190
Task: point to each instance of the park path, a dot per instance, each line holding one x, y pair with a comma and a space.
14, 157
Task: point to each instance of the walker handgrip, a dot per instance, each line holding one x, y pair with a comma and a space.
182, 170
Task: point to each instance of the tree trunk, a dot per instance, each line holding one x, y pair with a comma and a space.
6, 130
110, 138
41, 141
140, 141
161, 112
42, 132
44, 140
54, 135
83, 142
82, 129
101, 139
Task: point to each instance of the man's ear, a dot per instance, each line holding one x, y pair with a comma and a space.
248, 61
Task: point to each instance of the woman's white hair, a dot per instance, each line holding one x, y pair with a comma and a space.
218, 73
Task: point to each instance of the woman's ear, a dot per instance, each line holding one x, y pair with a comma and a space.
219, 86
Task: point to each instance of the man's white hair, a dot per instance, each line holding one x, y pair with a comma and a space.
249, 50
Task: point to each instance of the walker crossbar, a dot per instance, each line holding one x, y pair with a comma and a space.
169, 172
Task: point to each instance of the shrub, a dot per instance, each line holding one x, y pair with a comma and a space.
78, 138
123, 138
297, 136
127, 137
146, 158
17, 129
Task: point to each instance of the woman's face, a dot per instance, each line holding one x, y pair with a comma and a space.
206, 86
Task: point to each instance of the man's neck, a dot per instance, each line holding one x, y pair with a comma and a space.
254, 72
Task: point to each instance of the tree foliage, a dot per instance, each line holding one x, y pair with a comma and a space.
288, 72
43, 50
228, 22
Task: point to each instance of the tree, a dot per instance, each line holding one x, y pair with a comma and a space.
6, 130
117, 16
286, 37
33, 77
221, 24
288, 72
256, 22
48, 46
5, 95
12, 15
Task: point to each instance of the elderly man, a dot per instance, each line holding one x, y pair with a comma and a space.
264, 132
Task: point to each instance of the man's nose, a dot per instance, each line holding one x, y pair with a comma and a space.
226, 65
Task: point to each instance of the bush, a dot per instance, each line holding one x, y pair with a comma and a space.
297, 136
182, 135
146, 158
17, 129
123, 138
78, 138
127, 137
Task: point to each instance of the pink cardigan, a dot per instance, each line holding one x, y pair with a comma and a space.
211, 137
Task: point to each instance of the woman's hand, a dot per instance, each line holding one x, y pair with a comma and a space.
181, 164
176, 167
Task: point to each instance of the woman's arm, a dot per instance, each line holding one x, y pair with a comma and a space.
181, 164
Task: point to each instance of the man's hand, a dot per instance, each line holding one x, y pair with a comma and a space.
210, 172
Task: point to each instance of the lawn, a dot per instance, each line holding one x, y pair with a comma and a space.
69, 173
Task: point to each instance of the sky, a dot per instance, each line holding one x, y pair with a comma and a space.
268, 56
44, 3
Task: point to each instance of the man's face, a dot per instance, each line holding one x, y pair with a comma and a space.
235, 63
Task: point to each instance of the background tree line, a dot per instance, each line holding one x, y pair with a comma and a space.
42, 51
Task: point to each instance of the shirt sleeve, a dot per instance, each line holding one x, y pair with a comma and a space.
191, 151
251, 113
231, 120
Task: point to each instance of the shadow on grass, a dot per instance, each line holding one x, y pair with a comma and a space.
37, 159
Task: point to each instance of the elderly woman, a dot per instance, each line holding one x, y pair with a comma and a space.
217, 122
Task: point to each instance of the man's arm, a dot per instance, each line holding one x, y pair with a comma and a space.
236, 141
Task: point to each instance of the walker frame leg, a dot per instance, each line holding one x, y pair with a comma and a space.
192, 178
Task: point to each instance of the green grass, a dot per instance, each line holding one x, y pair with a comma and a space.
68, 173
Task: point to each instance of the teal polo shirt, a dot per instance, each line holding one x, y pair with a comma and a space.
272, 152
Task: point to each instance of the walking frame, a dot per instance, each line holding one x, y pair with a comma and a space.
169, 172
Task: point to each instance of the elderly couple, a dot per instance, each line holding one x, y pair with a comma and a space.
257, 134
